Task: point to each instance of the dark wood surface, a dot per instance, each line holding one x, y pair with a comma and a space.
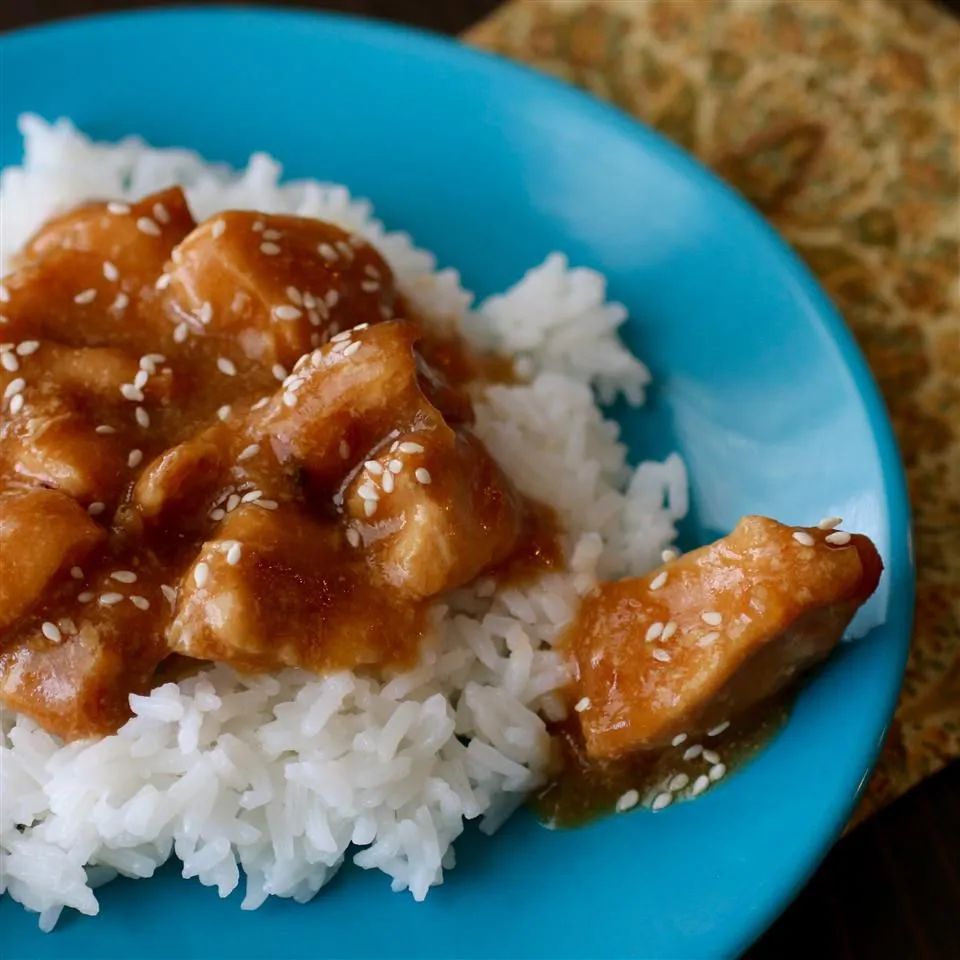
890, 888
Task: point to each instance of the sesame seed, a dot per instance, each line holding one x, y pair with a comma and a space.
142, 417
371, 271
387, 482
395, 466
96, 508
677, 782
352, 349
342, 337
261, 403
169, 593
134, 458
85, 597
678, 739
712, 618
140, 380
124, 576
117, 209
408, 446
331, 297
661, 655
711, 756
370, 286
344, 450
669, 629
148, 226
206, 312
803, 538
251, 495
27, 347
217, 514
234, 554
76, 573
131, 392
422, 475
289, 399
368, 491
272, 234
295, 296
226, 367
9, 361
716, 772
86, 296
51, 631
67, 625
718, 729
141, 603
268, 504
838, 539
16, 404
314, 319
699, 785
110, 271
653, 631
691, 753
200, 573
279, 371
233, 501
14, 387
708, 639
669, 554
661, 800
828, 523
120, 301
627, 801
180, 332
163, 281
369, 507
257, 226
327, 252
269, 249
659, 580
160, 213
353, 538
345, 249
219, 226
582, 704
109, 599
374, 467
224, 412
250, 451
287, 311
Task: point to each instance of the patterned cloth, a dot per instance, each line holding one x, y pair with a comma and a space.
839, 120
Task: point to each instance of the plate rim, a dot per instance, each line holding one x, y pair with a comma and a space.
440, 48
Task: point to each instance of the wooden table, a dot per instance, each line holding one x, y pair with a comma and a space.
891, 888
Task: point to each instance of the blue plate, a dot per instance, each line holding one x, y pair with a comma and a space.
758, 384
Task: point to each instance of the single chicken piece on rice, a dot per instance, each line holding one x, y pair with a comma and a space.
43, 533
277, 285
704, 637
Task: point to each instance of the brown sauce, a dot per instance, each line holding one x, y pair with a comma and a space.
583, 789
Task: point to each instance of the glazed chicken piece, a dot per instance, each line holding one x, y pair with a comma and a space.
278, 588
277, 285
43, 533
706, 636
432, 510
87, 278
77, 682
345, 399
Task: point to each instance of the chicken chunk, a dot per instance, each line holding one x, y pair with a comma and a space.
277, 285
710, 634
433, 510
275, 588
88, 277
42, 533
342, 401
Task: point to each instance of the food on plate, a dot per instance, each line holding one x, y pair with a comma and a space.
302, 556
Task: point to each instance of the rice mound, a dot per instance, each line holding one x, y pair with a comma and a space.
283, 776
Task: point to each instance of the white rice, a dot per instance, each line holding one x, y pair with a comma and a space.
280, 778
